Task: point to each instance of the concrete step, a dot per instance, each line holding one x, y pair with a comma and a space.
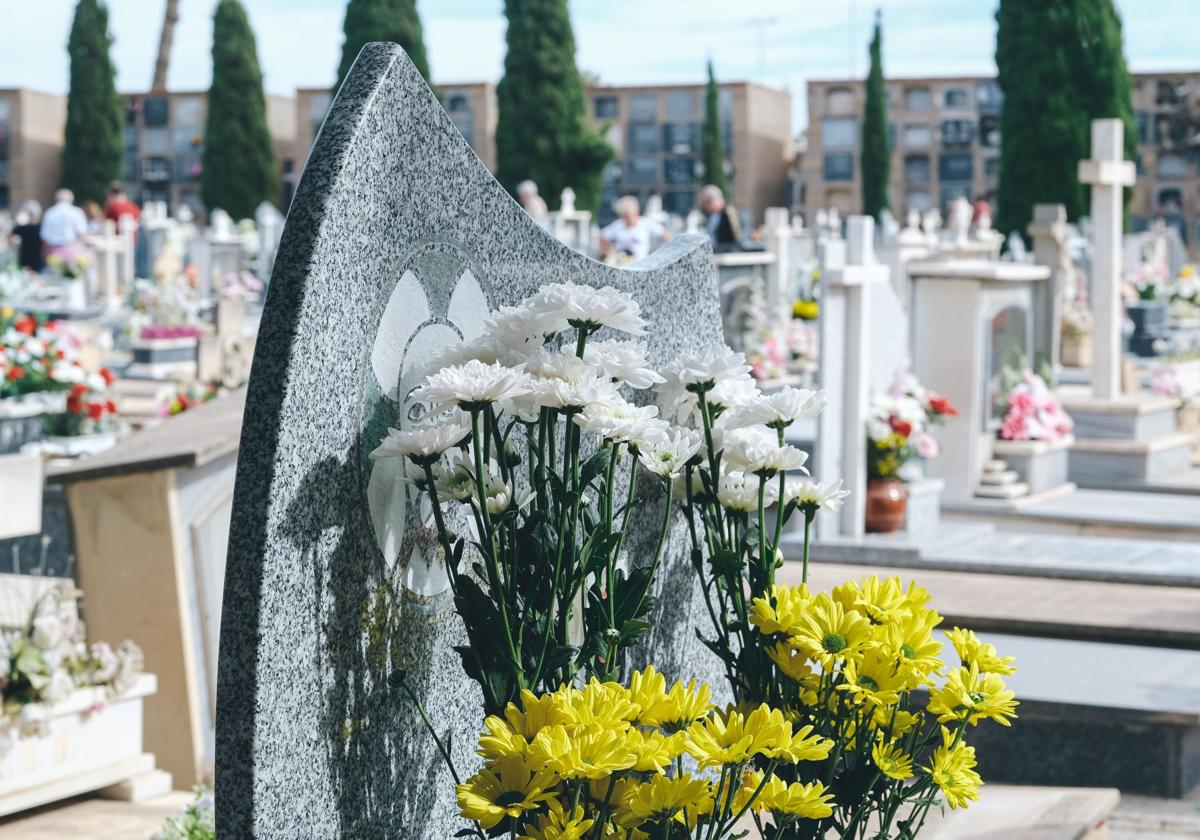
993, 479
1011, 490
1128, 417
1018, 812
994, 466
1128, 462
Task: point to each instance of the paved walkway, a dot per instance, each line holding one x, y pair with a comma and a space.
1120, 613
89, 818
981, 548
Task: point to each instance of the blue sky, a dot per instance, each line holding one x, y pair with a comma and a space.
780, 42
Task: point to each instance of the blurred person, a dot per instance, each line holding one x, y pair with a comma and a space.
31, 254
631, 233
118, 204
724, 228
534, 204
64, 223
95, 216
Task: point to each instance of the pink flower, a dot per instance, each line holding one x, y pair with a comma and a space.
927, 446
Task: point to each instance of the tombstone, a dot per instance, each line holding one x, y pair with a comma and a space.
910, 244
127, 229
398, 241
108, 282
270, 227
1016, 248
1048, 230
983, 311
570, 226
889, 228
777, 236
224, 251
849, 276
931, 222
960, 221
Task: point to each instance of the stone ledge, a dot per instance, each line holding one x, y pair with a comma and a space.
1132, 447
1006, 448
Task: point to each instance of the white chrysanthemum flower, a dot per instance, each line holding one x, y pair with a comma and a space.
739, 491
59, 688
568, 383
424, 444
667, 457
778, 410
811, 496
519, 329
718, 372
624, 361
498, 494
560, 305
455, 478
622, 422
473, 384
765, 458
490, 351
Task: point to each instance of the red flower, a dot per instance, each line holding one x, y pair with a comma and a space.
78, 389
900, 427
107, 376
110, 406
941, 405
26, 325
74, 405
14, 373
95, 410
58, 354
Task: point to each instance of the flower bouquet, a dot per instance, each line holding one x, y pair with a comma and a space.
529, 443
37, 362
88, 422
68, 262
1030, 410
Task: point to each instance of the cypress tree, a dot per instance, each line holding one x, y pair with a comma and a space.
875, 156
1061, 65
382, 20
91, 157
540, 131
712, 137
239, 156
1107, 89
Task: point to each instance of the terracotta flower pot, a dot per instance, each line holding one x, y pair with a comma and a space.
887, 499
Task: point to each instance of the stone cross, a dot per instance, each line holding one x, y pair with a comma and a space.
397, 243
1108, 173
848, 273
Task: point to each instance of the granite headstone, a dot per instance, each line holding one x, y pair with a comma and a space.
398, 242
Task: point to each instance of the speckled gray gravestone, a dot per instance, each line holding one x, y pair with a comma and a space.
398, 242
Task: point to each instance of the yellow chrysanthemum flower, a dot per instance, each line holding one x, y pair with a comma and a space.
873, 679
916, 596
952, 769
781, 612
793, 663
647, 688
778, 797
534, 714
680, 707
895, 722
581, 753
912, 638
828, 633
501, 739
654, 750
598, 705
662, 799
504, 788
892, 761
881, 601
971, 696
559, 825
973, 651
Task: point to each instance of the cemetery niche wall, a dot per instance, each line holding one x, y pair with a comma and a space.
398, 242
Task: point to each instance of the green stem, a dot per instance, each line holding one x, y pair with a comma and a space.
808, 518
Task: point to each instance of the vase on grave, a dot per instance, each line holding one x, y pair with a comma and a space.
1150, 336
20, 422
1076, 350
887, 501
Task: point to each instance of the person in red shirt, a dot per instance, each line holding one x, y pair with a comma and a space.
118, 204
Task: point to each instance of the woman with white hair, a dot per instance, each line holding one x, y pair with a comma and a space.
631, 234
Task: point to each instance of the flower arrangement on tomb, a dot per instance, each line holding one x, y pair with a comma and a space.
36, 356
166, 302
900, 426
530, 444
1077, 319
44, 663
167, 332
89, 408
189, 396
68, 262
1030, 410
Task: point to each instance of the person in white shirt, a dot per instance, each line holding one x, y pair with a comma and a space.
64, 223
631, 234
